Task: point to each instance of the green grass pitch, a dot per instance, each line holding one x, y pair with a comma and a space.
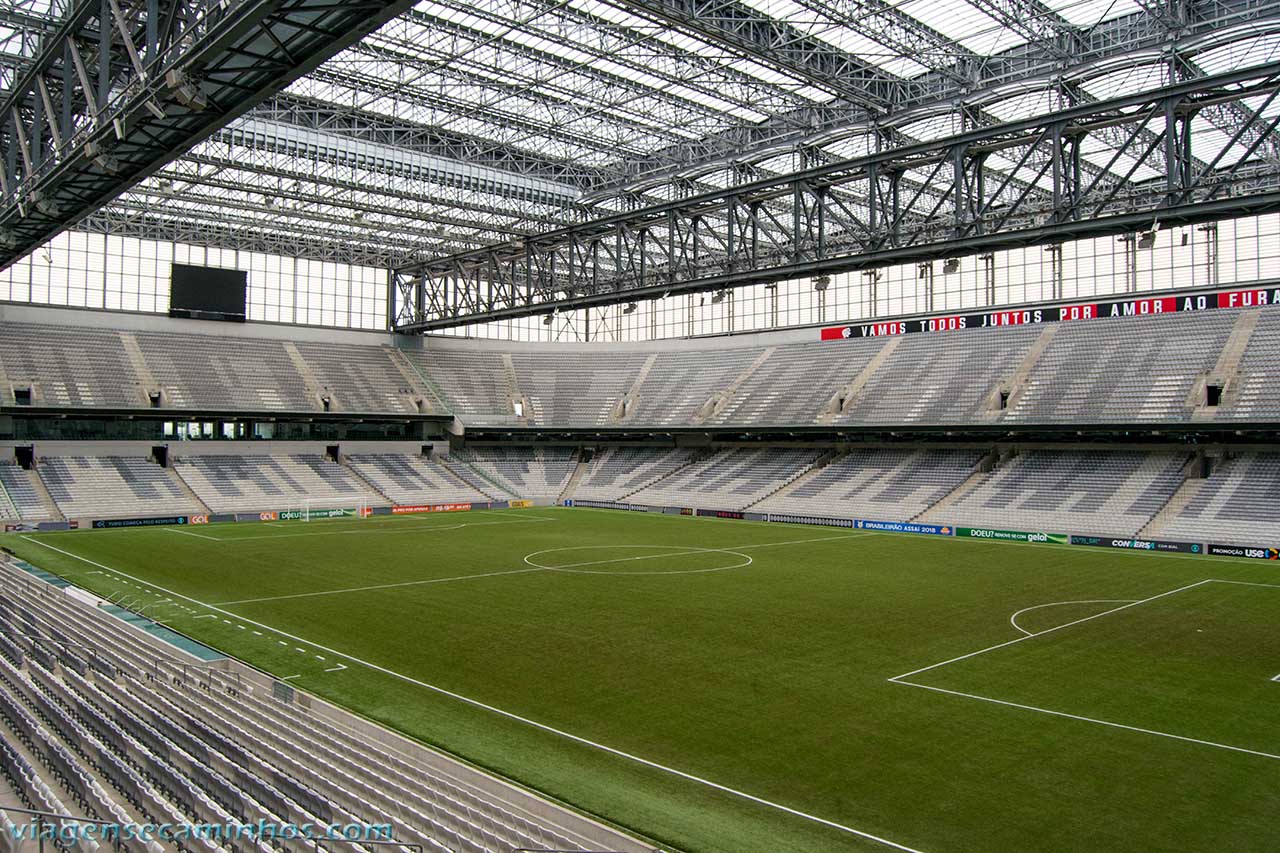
736, 686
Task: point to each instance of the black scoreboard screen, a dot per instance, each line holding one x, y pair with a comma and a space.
207, 293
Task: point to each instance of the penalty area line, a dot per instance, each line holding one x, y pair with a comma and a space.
1094, 720
475, 703
1013, 620
898, 678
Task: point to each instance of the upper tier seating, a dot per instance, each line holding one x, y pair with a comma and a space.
729, 479
1125, 369
202, 371
1131, 370
616, 472
941, 380
476, 385
1237, 504
524, 472
796, 382
249, 483
1071, 491
1258, 394
83, 367
413, 480
20, 487
564, 390
889, 484
107, 486
681, 382
361, 379
78, 692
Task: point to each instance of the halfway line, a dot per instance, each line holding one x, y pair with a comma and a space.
378, 586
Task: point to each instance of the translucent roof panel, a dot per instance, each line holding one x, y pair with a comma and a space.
462, 122
963, 23
1088, 13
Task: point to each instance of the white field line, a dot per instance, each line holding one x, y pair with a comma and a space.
517, 718
536, 567
1277, 678
1094, 720
1048, 631
1249, 583
533, 566
1013, 620
572, 567
379, 586
189, 533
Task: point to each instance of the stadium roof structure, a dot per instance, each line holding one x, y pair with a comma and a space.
510, 157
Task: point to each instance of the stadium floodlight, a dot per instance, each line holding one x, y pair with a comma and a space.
630, 308
821, 283
951, 265
185, 91
718, 296
547, 320
1146, 239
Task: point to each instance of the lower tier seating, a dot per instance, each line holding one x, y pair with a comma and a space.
1072, 491
885, 484
524, 472
20, 487
617, 472
1236, 504
248, 483
409, 480
730, 479
1117, 492
113, 486
97, 720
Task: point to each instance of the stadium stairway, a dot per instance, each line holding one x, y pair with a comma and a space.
473, 476
136, 360
185, 488
984, 467
513, 382
373, 487
8, 509
128, 731
1226, 371
848, 396
417, 377
627, 404
807, 474
42, 491
1177, 502
1018, 381
721, 399
579, 471
308, 377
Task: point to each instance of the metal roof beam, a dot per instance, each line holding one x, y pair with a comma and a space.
160, 77
861, 213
